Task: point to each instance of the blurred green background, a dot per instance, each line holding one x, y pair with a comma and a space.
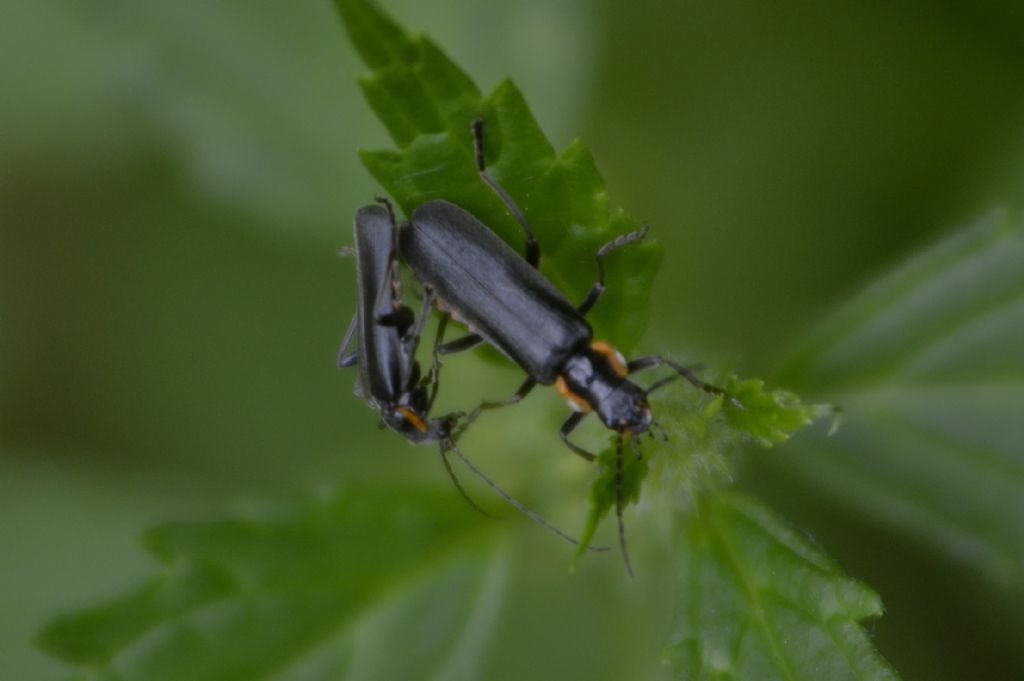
176, 178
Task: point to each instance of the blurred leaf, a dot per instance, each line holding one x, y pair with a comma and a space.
928, 365
241, 97
427, 103
279, 593
93, 637
756, 601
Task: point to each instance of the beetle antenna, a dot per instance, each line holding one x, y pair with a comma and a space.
618, 505
532, 515
458, 485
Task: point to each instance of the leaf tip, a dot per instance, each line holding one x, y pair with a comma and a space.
378, 39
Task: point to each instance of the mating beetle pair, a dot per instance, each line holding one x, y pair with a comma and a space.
506, 302
388, 336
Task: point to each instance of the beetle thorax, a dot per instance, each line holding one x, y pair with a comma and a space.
595, 380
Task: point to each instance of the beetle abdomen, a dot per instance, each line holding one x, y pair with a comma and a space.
489, 286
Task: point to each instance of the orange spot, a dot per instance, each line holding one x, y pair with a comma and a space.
575, 401
412, 418
614, 358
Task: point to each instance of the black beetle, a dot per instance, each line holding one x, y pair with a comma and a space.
388, 337
505, 301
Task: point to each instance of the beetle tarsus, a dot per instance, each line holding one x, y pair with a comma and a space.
567, 427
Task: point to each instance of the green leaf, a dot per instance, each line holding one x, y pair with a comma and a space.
757, 601
928, 365
326, 589
700, 432
605, 489
770, 417
427, 103
280, 594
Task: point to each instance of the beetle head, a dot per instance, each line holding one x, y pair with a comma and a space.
417, 427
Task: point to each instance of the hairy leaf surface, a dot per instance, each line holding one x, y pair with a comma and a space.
757, 601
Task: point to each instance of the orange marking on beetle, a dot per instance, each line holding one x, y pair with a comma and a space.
412, 418
602, 348
578, 403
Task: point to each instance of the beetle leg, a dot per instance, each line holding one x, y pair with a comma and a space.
643, 364
398, 316
435, 364
532, 247
346, 360
598, 288
411, 337
567, 427
470, 340
402, 319
522, 392
386, 202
